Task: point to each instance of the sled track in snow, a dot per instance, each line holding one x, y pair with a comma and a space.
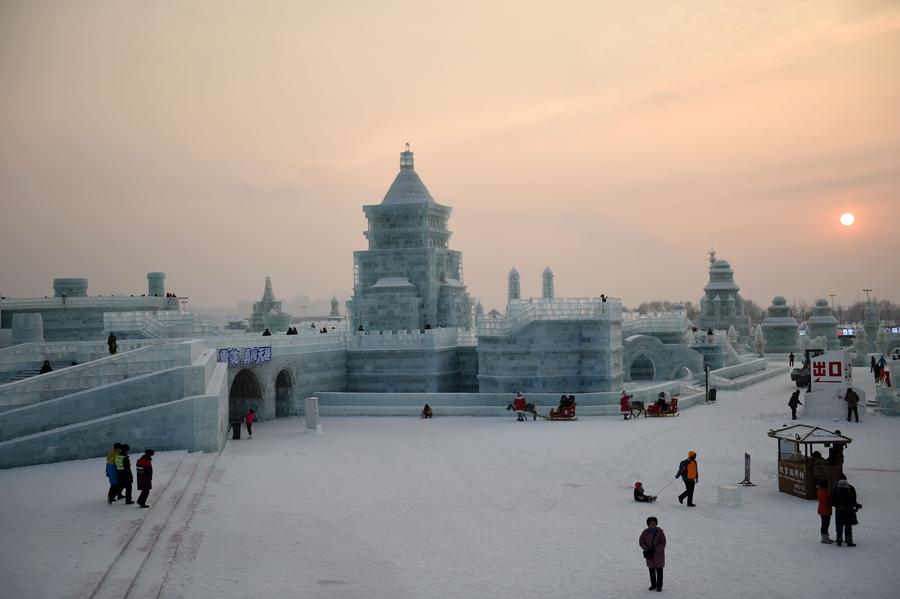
140, 569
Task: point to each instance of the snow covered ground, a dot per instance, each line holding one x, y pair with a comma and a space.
476, 507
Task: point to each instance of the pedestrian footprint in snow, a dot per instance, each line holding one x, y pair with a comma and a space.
653, 543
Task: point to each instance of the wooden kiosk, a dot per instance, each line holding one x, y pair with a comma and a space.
798, 468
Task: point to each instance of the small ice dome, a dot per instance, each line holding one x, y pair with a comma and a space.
779, 301
721, 264
821, 303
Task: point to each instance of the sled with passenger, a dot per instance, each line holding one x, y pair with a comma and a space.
669, 409
565, 410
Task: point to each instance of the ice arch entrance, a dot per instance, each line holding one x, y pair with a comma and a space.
642, 369
245, 393
284, 392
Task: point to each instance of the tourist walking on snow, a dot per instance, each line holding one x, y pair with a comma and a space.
123, 473
144, 469
112, 344
872, 365
824, 510
845, 507
249, 418
793, 402
111, 473
690, 474
653, 543
791, 359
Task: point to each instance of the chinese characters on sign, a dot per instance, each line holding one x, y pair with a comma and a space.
247, 356
792, 478
830, 368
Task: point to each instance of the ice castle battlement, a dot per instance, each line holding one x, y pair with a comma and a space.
520, 313
443, 338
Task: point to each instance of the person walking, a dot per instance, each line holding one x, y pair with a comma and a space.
845, 507
791, 360
793, 402
111, 474
123, 473
872, 364
45, 367
653, 542
625, 405
824, 510
249, 418
690, 474
112, 344
852, 400
144, 469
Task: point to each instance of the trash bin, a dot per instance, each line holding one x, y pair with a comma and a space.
712, 395
236, 429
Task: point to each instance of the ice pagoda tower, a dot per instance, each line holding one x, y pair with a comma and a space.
409, 278
721, 305
267, 311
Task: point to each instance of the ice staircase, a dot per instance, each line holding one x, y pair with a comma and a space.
20, 375
140, 567
106, 370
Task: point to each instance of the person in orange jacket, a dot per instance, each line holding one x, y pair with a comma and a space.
824, 510
690, 474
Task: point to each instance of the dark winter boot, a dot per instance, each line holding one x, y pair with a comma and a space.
839, 541
850, 542
826, 540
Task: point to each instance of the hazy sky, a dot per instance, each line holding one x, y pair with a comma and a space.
223, 141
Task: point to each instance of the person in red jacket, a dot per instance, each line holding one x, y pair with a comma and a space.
144, 470
519, 404
653, 543
625, 405
249, 418
824, 510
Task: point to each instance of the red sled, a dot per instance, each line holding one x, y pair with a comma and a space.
566, 413
654, 410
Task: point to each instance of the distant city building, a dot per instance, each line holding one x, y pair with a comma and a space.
408, 278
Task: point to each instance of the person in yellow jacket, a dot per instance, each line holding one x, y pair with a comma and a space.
111, 474
689, 473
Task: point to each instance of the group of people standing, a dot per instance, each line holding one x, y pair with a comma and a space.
879, 370
843, 501
121, 479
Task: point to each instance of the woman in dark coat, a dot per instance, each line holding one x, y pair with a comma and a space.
843, 498
653, 543
145, 476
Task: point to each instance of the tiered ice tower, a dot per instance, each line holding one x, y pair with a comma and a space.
408, 279
722, 306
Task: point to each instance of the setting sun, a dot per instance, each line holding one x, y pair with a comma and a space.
847, 219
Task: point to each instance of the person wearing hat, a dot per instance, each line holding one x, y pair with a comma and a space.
843, 498
144, 468
639, 494
519, 404
690, 474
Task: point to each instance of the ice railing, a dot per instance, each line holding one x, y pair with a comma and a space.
137, 302
523, 312
656, 322
141, 322
424, 339
701, 338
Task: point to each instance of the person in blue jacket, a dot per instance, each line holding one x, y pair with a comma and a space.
111, 475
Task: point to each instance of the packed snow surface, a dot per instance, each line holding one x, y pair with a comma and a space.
478, 507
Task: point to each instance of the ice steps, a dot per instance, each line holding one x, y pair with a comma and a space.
151, 578
121, 574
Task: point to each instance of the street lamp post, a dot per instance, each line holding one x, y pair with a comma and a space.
831, 295
867, 294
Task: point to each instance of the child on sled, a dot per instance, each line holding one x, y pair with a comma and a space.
639, 494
